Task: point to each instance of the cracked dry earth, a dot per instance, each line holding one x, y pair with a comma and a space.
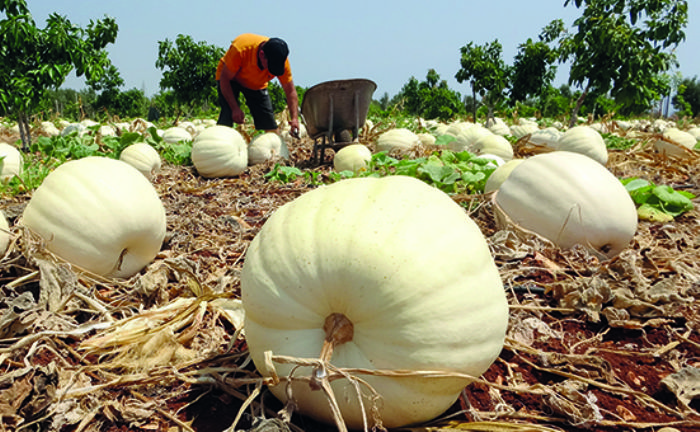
591, 346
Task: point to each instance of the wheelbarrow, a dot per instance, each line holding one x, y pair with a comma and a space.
332, 108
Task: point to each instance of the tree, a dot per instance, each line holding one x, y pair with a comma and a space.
622, 47
191, 70
486, 71
533, 68
36, 60
687, 100
432, 98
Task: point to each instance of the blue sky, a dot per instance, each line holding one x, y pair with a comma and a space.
387, 42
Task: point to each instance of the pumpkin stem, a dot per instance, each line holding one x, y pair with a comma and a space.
339, 329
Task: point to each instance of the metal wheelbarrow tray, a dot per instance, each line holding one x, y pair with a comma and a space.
331, 107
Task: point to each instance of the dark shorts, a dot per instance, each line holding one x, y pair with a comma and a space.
258, 102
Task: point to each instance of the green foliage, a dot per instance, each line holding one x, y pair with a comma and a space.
446, 170
176, 154
35, 60
188, 69
484, 68
533, 68
47, 153
687, 100
616, 142
658, 203
622, 47
431, 98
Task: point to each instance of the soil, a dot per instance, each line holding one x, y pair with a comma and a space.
593, 345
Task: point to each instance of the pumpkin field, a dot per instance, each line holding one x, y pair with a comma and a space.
514, 275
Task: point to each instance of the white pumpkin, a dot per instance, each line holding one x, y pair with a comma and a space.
467, 138
675, 142
143, 157
352, 158
4, 233
353, 249
397, 139
219, 151
77, 128
176, 134
500, 175
520, 130
547, 137
695, 132
49, 129
585, 140
426, 139
569, 199
492, 144
498, 126
11, 162
494, 160
99, 214
266, 146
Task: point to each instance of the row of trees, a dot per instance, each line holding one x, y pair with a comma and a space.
620, 56
620, 52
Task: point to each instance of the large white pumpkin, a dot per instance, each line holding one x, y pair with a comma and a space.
100, 214
405, 265
569, 199
585, 140
500, 175
11, 162
143, 157
265, 147
219, 151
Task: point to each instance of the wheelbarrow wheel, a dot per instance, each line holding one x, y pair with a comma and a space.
343, 136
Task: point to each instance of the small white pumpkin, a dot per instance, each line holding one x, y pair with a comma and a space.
493, 144
500, 175
352, 158
520, 130
11, 162
349, 250
49, 129
675, 142
426, 139
547, 137
4, 233
584, 140
176, 134
569, 199
267, 146
219, 151
695, 132
99, 214
468, 137
143, 157
397, 139
498, 126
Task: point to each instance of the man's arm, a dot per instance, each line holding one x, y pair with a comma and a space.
225, 83
290, 92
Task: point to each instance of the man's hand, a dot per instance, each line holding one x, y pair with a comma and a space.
294, 128
237, 115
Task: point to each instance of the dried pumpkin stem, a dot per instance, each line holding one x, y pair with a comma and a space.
339, 329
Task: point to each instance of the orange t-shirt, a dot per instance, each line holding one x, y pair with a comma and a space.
242, 60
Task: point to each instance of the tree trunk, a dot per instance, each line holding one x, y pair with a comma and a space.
579, 102
474, 103
24, 133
